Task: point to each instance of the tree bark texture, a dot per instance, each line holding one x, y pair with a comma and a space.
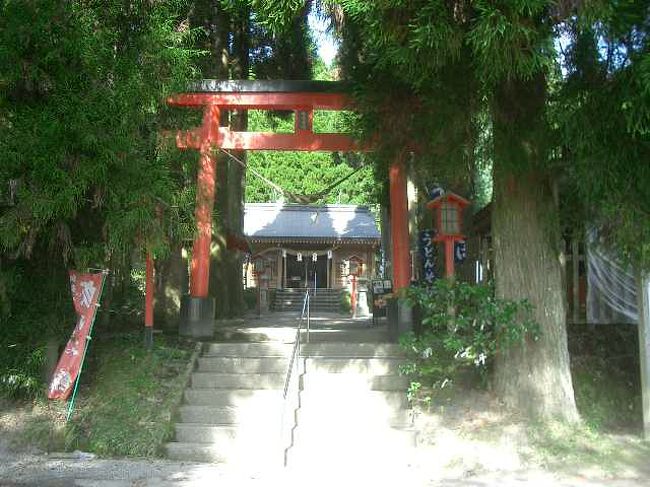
533, 376
229, 60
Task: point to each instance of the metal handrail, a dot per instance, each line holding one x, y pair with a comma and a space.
296, 346
293, 364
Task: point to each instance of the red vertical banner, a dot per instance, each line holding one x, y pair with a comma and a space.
86, 291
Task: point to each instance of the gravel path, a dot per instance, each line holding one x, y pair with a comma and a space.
449, 455
45, 471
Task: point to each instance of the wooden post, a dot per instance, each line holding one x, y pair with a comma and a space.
644, 348
284, 269
353, 298
449, 257
329, 263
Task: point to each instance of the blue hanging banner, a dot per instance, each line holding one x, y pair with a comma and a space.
460, 251
427, 246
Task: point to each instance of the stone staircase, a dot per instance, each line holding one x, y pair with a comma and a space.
348, 406
321, 299
353, 408
230, 408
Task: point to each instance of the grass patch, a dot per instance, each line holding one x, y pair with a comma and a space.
124, 405
607, 400
574, 448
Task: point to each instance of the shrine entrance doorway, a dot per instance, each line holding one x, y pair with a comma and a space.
306, 272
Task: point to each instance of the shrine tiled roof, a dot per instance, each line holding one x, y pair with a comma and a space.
271, 222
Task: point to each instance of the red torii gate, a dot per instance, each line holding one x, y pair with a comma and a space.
301, 97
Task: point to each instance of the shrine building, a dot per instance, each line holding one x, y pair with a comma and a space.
298, 246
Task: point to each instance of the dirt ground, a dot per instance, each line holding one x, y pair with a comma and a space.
467, 441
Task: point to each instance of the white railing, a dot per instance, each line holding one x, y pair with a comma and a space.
286, 430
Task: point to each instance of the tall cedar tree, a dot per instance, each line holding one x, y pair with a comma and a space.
81, 170
435, 66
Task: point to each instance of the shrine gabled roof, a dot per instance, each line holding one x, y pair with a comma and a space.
327, 223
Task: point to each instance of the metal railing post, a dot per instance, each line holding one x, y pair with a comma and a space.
308, 316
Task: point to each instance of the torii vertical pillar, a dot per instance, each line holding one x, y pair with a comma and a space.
197, 309
399, 220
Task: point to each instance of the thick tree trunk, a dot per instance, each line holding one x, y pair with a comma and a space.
236, 173
219, 261
533, 376
226, 264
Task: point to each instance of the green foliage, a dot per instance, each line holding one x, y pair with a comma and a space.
26, 324
462, 60
606, 64
510, 40
345, 301
127, 405
605, 398
307, 173
463, 328
568, 448
82, 168
280, 40
80, 99
605, 370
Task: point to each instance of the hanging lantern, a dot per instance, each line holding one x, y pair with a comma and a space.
448, 221
299, 256
314, 257
329, 254
448, 214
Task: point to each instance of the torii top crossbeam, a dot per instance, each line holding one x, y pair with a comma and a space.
301, 97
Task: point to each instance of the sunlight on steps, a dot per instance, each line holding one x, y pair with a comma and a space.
346, 406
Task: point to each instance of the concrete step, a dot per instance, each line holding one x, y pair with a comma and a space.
343, 382
356, 459
214, 380
246, 365
396, 418
228, 437
375, 366
256, 350
242, 398
226, 415
256, 334
352, 350
353, 438
354, 401
246, 457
